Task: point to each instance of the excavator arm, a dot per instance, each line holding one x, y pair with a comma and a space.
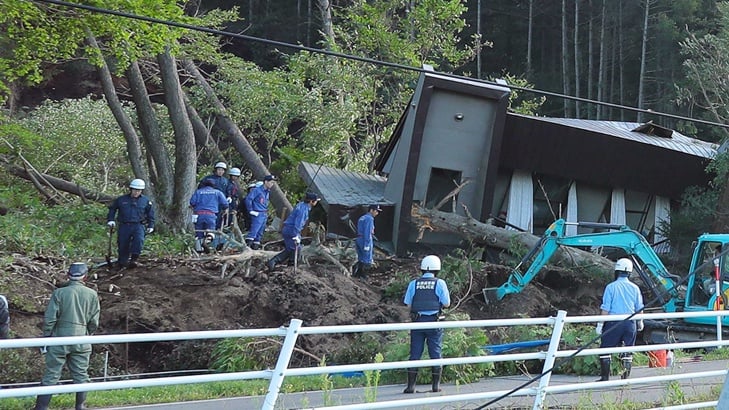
653, 272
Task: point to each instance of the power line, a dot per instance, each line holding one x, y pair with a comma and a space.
371, 60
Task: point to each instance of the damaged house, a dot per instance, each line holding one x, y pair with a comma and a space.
523, 169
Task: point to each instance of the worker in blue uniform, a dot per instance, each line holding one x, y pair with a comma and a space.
135, 216
426, 296
365, 242
206, 203
621, 297
222, 184
257, 205
292, 228
233, 193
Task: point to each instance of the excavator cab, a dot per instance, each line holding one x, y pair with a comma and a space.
709, 272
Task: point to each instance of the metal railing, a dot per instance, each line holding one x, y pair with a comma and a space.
295, 329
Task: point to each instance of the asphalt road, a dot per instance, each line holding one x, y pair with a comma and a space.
653, 393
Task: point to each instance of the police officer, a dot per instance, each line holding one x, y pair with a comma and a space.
206, 203
222, 184
365, 241
135, 211
4, 318
72, 311
257, 204
426, 296
621, 297
292, 228
233, 194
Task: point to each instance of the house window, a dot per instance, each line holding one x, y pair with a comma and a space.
550, 200
441, 183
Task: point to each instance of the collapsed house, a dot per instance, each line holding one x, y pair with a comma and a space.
524, 170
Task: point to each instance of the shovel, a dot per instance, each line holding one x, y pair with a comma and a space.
296, 257
108, 253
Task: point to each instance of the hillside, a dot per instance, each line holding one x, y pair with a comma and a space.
186, 295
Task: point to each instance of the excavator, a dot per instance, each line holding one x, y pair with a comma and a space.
706, 287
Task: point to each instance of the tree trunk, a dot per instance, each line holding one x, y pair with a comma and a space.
565, 72
185, 153
603, 63
493, 236
590, 59
160, 174
134, 149
576, 57
325, 7
530, 39
644, 46
250, 156
202, 133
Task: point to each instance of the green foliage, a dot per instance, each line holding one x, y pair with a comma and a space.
457, 270
372, 380
242, 354
395, 289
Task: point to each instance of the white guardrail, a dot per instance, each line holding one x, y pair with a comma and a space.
295, 329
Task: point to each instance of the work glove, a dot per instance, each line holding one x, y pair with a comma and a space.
366, 248
150, 230
193, 219
43, 349
598, 328
640, 325
297, 239
111, 224
254, 213
229, 199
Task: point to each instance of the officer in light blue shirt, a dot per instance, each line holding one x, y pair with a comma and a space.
621, 297
426, 296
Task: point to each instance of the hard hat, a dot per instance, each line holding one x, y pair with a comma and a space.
234, 172
624, 265
221, 165
136, 184
310, 196
270, 178
77, 270
430, 263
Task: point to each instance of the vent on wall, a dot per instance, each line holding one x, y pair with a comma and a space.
652, 129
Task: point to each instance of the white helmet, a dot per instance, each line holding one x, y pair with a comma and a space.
430, 263
221, 165
624, 265
136, 184
234, 172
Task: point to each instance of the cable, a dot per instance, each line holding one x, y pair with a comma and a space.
372, 61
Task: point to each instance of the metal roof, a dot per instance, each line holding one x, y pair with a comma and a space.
340, 187
677, 141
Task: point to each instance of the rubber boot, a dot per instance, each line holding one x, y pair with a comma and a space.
627, 363
363, 272
412, 376
198, 245
281, 257
604, 369
42, 402
355, 270
133, 263
256, 246
249, 243
435, 372
81, 400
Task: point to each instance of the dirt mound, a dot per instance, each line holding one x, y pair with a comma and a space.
168, 295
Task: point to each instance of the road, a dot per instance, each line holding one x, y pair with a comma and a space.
653, 393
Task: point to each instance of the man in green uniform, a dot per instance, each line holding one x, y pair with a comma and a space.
72, 311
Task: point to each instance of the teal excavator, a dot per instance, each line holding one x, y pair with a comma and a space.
697, 291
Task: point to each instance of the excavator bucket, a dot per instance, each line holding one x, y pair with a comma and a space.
490, 295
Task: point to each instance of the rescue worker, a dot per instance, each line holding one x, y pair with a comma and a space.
136, 219
233, 194
243, 209
4, 318
206, 203
72, 311
257, 204
365, 243
291, 231
426, 296
621, 297
222, 184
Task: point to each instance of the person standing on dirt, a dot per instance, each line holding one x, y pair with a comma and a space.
365, 243
206, 203
291, 231
426, 296
233, 194
72, 311
257, 204
4, 318
136, 218
243, 209
222, 184
621, 297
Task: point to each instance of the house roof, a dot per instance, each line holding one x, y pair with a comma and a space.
340, 187
625, 130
